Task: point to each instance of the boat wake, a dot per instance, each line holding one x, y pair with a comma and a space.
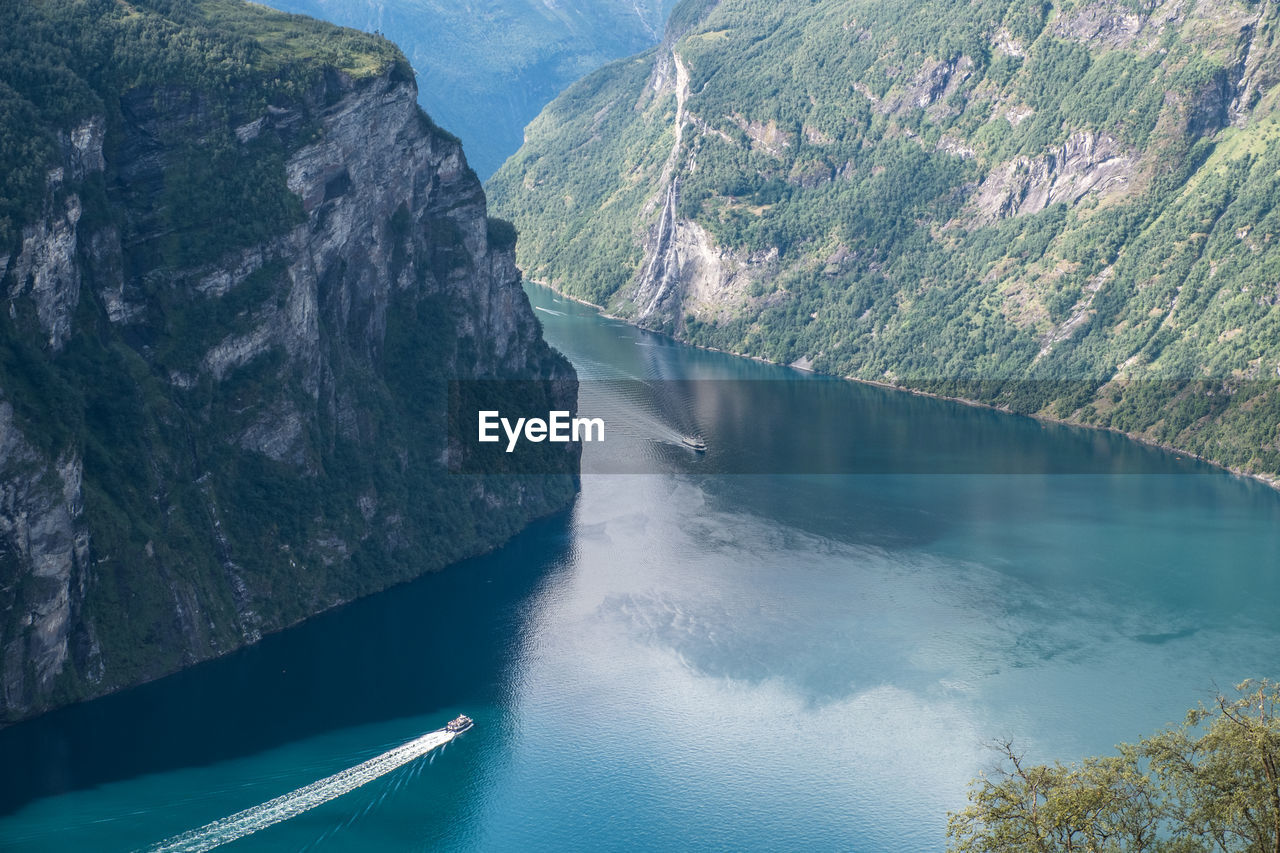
290, 805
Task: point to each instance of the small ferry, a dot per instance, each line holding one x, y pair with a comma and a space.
459, 724
692, 441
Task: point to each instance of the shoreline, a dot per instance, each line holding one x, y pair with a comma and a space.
1271, 481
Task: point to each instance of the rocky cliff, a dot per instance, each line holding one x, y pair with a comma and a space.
1063, 208
226, 343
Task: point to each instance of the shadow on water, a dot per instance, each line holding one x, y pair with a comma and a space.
767, 419
444, 640
827, 426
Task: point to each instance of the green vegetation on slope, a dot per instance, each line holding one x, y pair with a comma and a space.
488, 67
64, 60
1211, 785
1063, 208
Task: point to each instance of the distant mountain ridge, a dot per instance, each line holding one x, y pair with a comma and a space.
492, 65
1062, 208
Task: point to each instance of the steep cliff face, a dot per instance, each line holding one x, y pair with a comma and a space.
45, 540
203, 437
1061, 208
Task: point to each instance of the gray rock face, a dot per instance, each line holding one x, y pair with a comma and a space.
1109, 24
395, 224
47, 267
932, 85
1086, 163
1252, 73
45, 543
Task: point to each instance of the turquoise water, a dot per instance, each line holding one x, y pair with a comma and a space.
690, 660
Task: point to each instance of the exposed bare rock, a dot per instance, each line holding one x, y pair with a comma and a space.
764, 136
951, 145
277, 435
931, 86
82, 149
1104, 24
232, 271
248, 132
105, 259
46, 268
1016, 114
1080, 314
44, 540
1255, 70
1085, 164
691, 275
238, 350
1004, 42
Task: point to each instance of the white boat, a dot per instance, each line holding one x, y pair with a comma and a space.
459, 724
692, 441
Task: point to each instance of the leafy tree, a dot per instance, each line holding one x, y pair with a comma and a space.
1211, 785
1221, 771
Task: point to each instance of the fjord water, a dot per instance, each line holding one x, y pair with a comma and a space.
695, 660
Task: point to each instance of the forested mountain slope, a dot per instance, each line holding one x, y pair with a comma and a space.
239, 266
1065, 208
491, 65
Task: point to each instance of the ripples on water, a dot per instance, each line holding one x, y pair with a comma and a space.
698, 661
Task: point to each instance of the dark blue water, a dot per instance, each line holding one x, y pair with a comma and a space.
696, 660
